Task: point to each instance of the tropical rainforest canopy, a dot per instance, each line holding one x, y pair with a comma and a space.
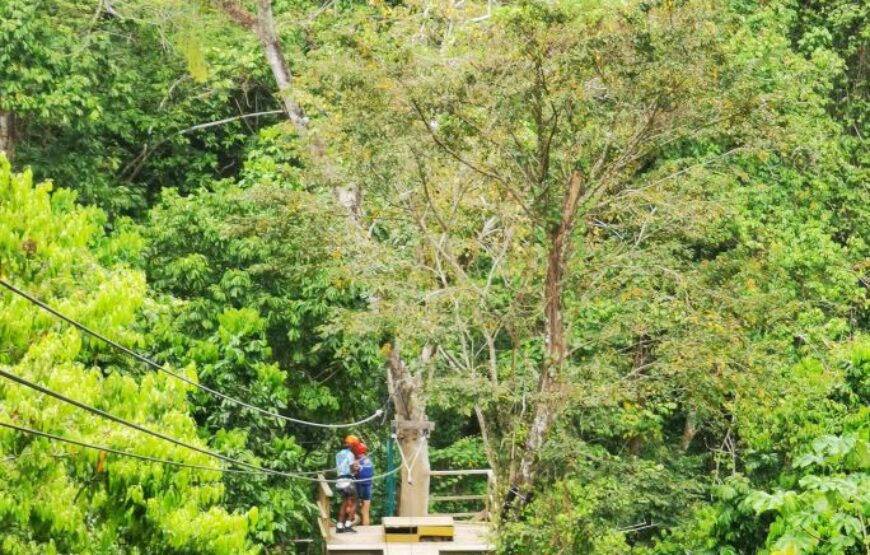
617, 251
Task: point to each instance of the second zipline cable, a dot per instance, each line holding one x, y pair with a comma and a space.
146, 458
159, 367
119, 420
253, 468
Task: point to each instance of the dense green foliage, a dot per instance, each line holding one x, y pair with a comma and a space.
254, 286
56, 499
100, 101
711, 393
804, 486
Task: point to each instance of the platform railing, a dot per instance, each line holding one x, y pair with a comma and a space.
324, 505
487, 498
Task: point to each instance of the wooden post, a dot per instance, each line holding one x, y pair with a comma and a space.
324, 502
413, 439
490, 496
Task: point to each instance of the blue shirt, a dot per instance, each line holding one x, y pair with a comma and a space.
343, 461
366, 470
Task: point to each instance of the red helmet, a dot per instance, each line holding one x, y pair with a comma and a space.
359, 449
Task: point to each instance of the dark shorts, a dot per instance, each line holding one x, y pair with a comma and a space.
348, 492
364, 492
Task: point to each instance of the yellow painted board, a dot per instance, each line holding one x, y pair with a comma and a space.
440, 531
401, 538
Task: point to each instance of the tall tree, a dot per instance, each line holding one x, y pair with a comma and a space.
500, 158
554, 159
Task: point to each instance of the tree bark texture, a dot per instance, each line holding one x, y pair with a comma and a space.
414, 490
7, 140
412, 431
275, 56
550, 378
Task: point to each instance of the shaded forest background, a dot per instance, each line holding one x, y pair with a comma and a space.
620, 251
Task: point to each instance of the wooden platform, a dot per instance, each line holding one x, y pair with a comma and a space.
468, 539
409, 529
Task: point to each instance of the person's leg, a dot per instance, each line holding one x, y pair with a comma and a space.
349, 509
364, 494
346, 509
351, 513
339, 522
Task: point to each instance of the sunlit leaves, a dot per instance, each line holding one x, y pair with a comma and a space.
56, 496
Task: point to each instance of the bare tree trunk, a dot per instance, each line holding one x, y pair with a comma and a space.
488, 449
275, 56
405, 386
7, 141
414, 491
412, 430
349, 197
689, 431
263, 25
556, 350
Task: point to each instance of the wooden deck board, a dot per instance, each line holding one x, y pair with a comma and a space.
469, 537
404, 521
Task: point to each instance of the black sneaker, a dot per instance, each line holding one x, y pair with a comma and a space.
350, 529
340, 530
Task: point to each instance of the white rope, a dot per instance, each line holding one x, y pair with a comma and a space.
410, 466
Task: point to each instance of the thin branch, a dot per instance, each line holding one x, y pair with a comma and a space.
463, 161
638, 527
424, 181
675, 174
228, 120
485, 16
136, 165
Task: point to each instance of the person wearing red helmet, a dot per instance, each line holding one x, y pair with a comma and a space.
364, 472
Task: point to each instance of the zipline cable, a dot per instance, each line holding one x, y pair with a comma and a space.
159, 367
137, 427
119, 420
130, 454
146, 458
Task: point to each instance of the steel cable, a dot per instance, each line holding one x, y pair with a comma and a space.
147, 458
159, 435
159, 367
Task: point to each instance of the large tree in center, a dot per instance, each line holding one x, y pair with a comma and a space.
493, 160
